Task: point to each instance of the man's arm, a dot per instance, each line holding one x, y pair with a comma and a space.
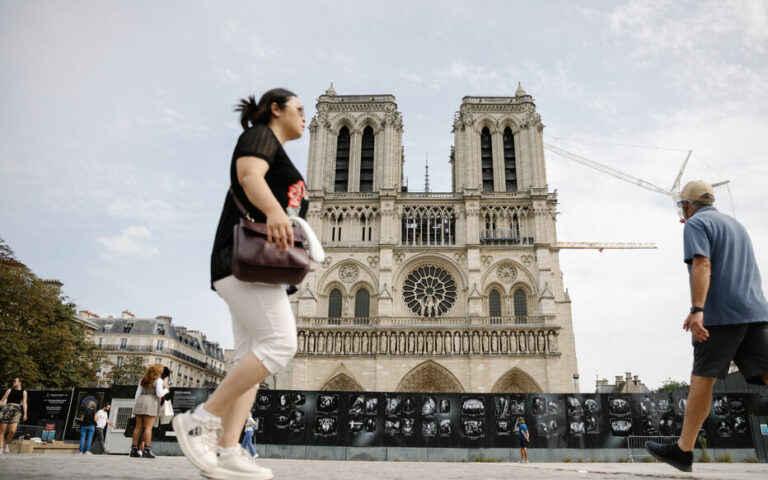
700, 275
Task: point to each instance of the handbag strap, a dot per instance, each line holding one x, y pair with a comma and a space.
240, 205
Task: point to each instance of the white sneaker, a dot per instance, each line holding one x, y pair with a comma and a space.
197, 437
238, 464
87, 453
6, 449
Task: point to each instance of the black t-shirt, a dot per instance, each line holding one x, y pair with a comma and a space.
89, 417
283, 179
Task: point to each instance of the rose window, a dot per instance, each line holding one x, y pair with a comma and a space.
429, 291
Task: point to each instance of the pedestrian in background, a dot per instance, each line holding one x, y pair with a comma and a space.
248, 439
87, 427
146, 407
728, 319
14, 405
102, 419
265, 181
525, 439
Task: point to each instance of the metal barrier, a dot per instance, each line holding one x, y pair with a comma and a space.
638, 443
32, 430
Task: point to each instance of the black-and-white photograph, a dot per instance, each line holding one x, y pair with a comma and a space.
591, 423
554, 406
516, 406
299, 399
539, 405
392, 427
258, 426
720, 406
502, 406
407, 426
445, 428
473, 427
370, 425
737, 406
445, 405
356, 404
297, 421
682, 403
647, 406
503, 426
327, 403
574, 406
428, 406
619, 406
429, 429
667, 424
739, 424
472, 406
409, 405
621, 427
263, 401
325, 426
649, 428
546, 428
283, 402
664, 405
591, 405
393, 406
282, 420
355, 425
372, 406
576, 428
723, 428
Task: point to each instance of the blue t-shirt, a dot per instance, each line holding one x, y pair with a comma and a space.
735, 294
522, 430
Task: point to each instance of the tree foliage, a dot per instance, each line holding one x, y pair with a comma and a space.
668, 385
129, 373
40, 341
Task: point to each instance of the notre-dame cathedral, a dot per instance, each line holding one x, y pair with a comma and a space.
455, 291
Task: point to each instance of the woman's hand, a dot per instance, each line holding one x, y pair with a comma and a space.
279, 230
25, 418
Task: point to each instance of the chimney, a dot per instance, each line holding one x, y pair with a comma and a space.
127, 314
619, 379
636, 378
164, 318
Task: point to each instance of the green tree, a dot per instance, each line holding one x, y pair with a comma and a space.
129, 373
668, 385
40, 340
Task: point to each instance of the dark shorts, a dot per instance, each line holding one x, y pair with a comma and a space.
745, 344
523, 443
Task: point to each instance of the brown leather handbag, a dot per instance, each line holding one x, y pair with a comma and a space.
255, 260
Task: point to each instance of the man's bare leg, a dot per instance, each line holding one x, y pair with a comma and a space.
696, 411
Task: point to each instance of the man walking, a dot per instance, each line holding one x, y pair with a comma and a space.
102, 419
247, 443
729, 313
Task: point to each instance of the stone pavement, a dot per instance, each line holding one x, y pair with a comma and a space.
31, 466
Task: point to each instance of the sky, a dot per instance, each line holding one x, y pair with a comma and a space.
116, 133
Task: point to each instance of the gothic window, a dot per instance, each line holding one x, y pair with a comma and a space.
521, 305
336, 221
486, 159
366, 161
364, 226
362, 303
429, 291
342, 160
334, 304
428, 225
510, 173
494, 303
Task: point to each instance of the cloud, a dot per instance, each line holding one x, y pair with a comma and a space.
128, 244
478, 78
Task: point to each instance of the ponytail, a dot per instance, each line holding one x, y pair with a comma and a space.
261, 113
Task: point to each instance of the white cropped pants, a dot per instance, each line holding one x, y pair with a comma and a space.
262, 320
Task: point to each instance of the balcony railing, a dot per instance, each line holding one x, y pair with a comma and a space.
166, 351
504, 237
466, 321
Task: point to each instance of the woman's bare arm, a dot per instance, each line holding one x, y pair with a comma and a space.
250, 174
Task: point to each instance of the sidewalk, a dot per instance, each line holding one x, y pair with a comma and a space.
32, 466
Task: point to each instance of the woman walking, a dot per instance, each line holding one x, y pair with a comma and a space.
146, 408
87, 428
265, 181
14, 405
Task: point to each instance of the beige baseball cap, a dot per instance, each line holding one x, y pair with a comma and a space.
698, 192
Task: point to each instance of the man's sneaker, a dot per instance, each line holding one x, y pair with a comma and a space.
135, 452
197, 437
148, 453
87, 453
671, 454
238, 464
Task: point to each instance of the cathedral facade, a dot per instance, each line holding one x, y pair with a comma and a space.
457, 291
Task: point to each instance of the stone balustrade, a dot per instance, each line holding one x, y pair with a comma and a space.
427, 339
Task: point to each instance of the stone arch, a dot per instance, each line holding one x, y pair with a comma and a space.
486, 297
524, 276
530, 296
515, 380
511, 123
429, 376
344, 120
486, 121
342, 382
372, 279
371, 121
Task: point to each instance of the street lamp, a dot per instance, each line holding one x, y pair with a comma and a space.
576, 382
